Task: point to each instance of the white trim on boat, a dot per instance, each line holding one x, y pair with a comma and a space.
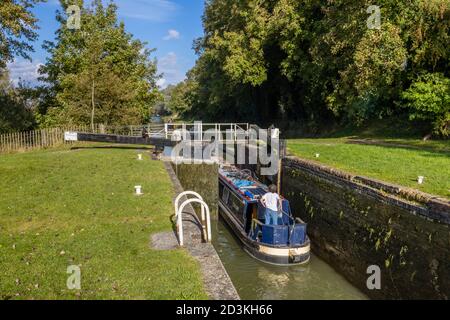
283, 252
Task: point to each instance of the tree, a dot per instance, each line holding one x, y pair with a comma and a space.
314, 62
15, 115
17, 29
177, 101
98, 73
370, 80
428, 98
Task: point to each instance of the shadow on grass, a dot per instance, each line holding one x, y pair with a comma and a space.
394, 127
434, 150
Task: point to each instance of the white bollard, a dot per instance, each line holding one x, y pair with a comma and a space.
139, 156
420, 179
138, 190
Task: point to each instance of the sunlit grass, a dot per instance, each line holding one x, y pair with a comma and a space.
400, 163
62, 208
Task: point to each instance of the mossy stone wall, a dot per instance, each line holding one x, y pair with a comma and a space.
201, 178
353, 225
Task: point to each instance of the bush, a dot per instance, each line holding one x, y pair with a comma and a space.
14, 114
428, 98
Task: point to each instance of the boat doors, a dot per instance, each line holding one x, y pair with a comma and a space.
251, 212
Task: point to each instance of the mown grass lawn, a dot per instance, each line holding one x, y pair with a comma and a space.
398, 161
77, 207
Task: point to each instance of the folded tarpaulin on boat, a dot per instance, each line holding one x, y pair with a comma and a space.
248, 194
243, 183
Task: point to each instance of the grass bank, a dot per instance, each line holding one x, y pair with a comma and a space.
394, 160
63, 208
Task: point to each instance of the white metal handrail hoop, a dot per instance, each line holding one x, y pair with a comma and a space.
186, 193
180, 221
177, 212
205, 214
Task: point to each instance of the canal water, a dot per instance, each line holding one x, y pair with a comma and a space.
256, 280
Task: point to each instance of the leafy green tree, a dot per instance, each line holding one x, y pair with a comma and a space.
15, 114
98, 73
314, 62
428, 98
370, 80
177, 102
17, 29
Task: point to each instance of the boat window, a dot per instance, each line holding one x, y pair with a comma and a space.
225, 195
237, 207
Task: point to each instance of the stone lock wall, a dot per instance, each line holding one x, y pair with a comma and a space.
203, 179
355, 222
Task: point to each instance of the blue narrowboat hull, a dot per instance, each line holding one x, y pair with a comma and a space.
273, 253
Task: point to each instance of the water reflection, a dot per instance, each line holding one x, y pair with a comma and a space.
256, 280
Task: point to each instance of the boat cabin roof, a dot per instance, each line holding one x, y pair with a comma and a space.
250, 188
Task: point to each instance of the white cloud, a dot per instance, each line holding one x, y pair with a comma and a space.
24, 70
161, 83
169, 60
168, 66
151, 10
172, 34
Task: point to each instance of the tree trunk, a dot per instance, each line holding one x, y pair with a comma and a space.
93, 105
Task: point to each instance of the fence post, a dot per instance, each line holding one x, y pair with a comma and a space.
43, 138
10, 137
5, 139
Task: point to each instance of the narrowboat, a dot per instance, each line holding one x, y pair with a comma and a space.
240, 206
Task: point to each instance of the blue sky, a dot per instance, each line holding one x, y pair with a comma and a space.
170, 26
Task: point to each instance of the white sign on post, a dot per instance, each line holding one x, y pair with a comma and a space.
70, 136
